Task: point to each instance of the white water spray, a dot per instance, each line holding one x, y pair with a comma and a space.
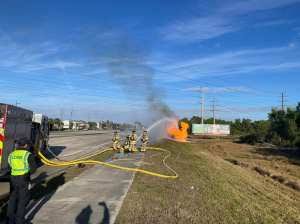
157, 130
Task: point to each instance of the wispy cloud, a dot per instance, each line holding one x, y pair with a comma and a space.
271, 23
21, 57
226, 19
233, 62
242, 7
297, 30
227, 89
199, 29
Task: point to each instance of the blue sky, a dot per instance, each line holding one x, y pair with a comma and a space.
103, 59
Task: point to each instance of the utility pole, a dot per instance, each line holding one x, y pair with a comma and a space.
213, 110
283, 101
202, 105
62, 114
71, 114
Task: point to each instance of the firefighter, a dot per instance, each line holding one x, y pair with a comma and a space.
116, 140
145, 141
126, 145
132, 143
22, 164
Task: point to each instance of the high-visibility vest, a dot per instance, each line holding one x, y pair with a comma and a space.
18, 161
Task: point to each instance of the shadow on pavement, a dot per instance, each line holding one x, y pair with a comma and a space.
106, 215
56, 150
50, 154
85, 215
39, 179
42, 192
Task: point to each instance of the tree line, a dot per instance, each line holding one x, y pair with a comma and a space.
282, 127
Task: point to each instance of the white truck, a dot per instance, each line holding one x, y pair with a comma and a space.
17, 123
67, 124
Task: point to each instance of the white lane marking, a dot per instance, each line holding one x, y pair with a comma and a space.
34, 207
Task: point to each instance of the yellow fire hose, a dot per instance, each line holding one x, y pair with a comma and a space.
84, 160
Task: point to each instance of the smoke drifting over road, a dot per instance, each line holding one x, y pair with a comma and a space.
127, 65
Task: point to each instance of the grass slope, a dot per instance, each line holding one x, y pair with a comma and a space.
209, 190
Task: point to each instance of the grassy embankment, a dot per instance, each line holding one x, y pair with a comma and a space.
211, 189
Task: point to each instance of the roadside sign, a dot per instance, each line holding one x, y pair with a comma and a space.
210, 129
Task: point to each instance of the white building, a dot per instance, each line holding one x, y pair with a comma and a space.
67, 124
80, 125
99, 125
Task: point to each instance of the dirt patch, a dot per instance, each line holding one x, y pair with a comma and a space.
279, 178
237, 163
262, 171
293, 184
279, 164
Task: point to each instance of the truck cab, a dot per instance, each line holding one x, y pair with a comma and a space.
40, 132
17, 123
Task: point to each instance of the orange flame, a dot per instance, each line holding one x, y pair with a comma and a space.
178, 133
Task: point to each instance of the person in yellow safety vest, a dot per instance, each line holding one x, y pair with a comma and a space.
116, 141
22, 164
145, 141
132, 143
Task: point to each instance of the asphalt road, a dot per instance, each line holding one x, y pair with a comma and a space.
95, 196
74, 144
71, 146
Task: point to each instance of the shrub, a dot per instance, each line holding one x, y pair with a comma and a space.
297, 141
275, 139
252, 138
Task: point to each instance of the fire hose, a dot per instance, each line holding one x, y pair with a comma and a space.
85, 160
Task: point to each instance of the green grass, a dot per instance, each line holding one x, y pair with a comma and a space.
208, 190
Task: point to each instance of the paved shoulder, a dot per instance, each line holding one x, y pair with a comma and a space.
93, 197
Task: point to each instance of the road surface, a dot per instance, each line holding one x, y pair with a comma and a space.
69, 145
72, 145
95, 196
